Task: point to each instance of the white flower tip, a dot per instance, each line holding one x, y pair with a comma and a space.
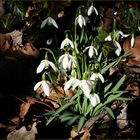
132, 42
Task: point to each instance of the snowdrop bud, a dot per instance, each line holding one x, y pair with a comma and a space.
132, 41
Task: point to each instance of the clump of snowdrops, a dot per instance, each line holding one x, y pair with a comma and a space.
85, 63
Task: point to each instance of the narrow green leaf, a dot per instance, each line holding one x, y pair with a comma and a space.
114, 92
110, 112
81, 123
66, 118
50, 120
107, 87
82, 35
119, 83
99, 106
123, 99
72, 120
65, 114
89, 109
59, 110
107, 67
112, 98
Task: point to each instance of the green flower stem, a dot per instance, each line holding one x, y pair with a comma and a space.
78, 101
84, 106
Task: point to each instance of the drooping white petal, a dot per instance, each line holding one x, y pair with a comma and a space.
53, 22
44, 23
46, 88
41, 66
63, 44
101, 77
118, 50
132, 42
91, 51
93, 76
86, 88
37, 85
76, 83
52, 65
61, 58
86, 49
69, 84
94, 99
65, 61
71, 43
90, 10
108, 38
96, 12
72, 61
95, 50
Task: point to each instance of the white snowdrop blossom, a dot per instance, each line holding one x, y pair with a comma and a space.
45, 64
116, 35
45, 86
72, 83
66, 61
86, 86
115, 39
80, 20
66, 42
49, 21
92, 9
91, 51
94, 99
119, 49
97, 75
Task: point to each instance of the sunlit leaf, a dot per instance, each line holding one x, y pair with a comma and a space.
81, 123
110, 112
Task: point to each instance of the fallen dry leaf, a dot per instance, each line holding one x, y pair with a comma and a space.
24, 108
16, 37
133, 88
86, 135
122, 121
134, 58
23, 134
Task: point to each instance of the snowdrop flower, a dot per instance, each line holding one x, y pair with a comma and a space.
45, 64
49, 21
94, 99
73, 82
91, 51
66, 61
86, 86
92, 9
45, 86
118, 50
66, 42
116, 36
80, 20
97, 75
